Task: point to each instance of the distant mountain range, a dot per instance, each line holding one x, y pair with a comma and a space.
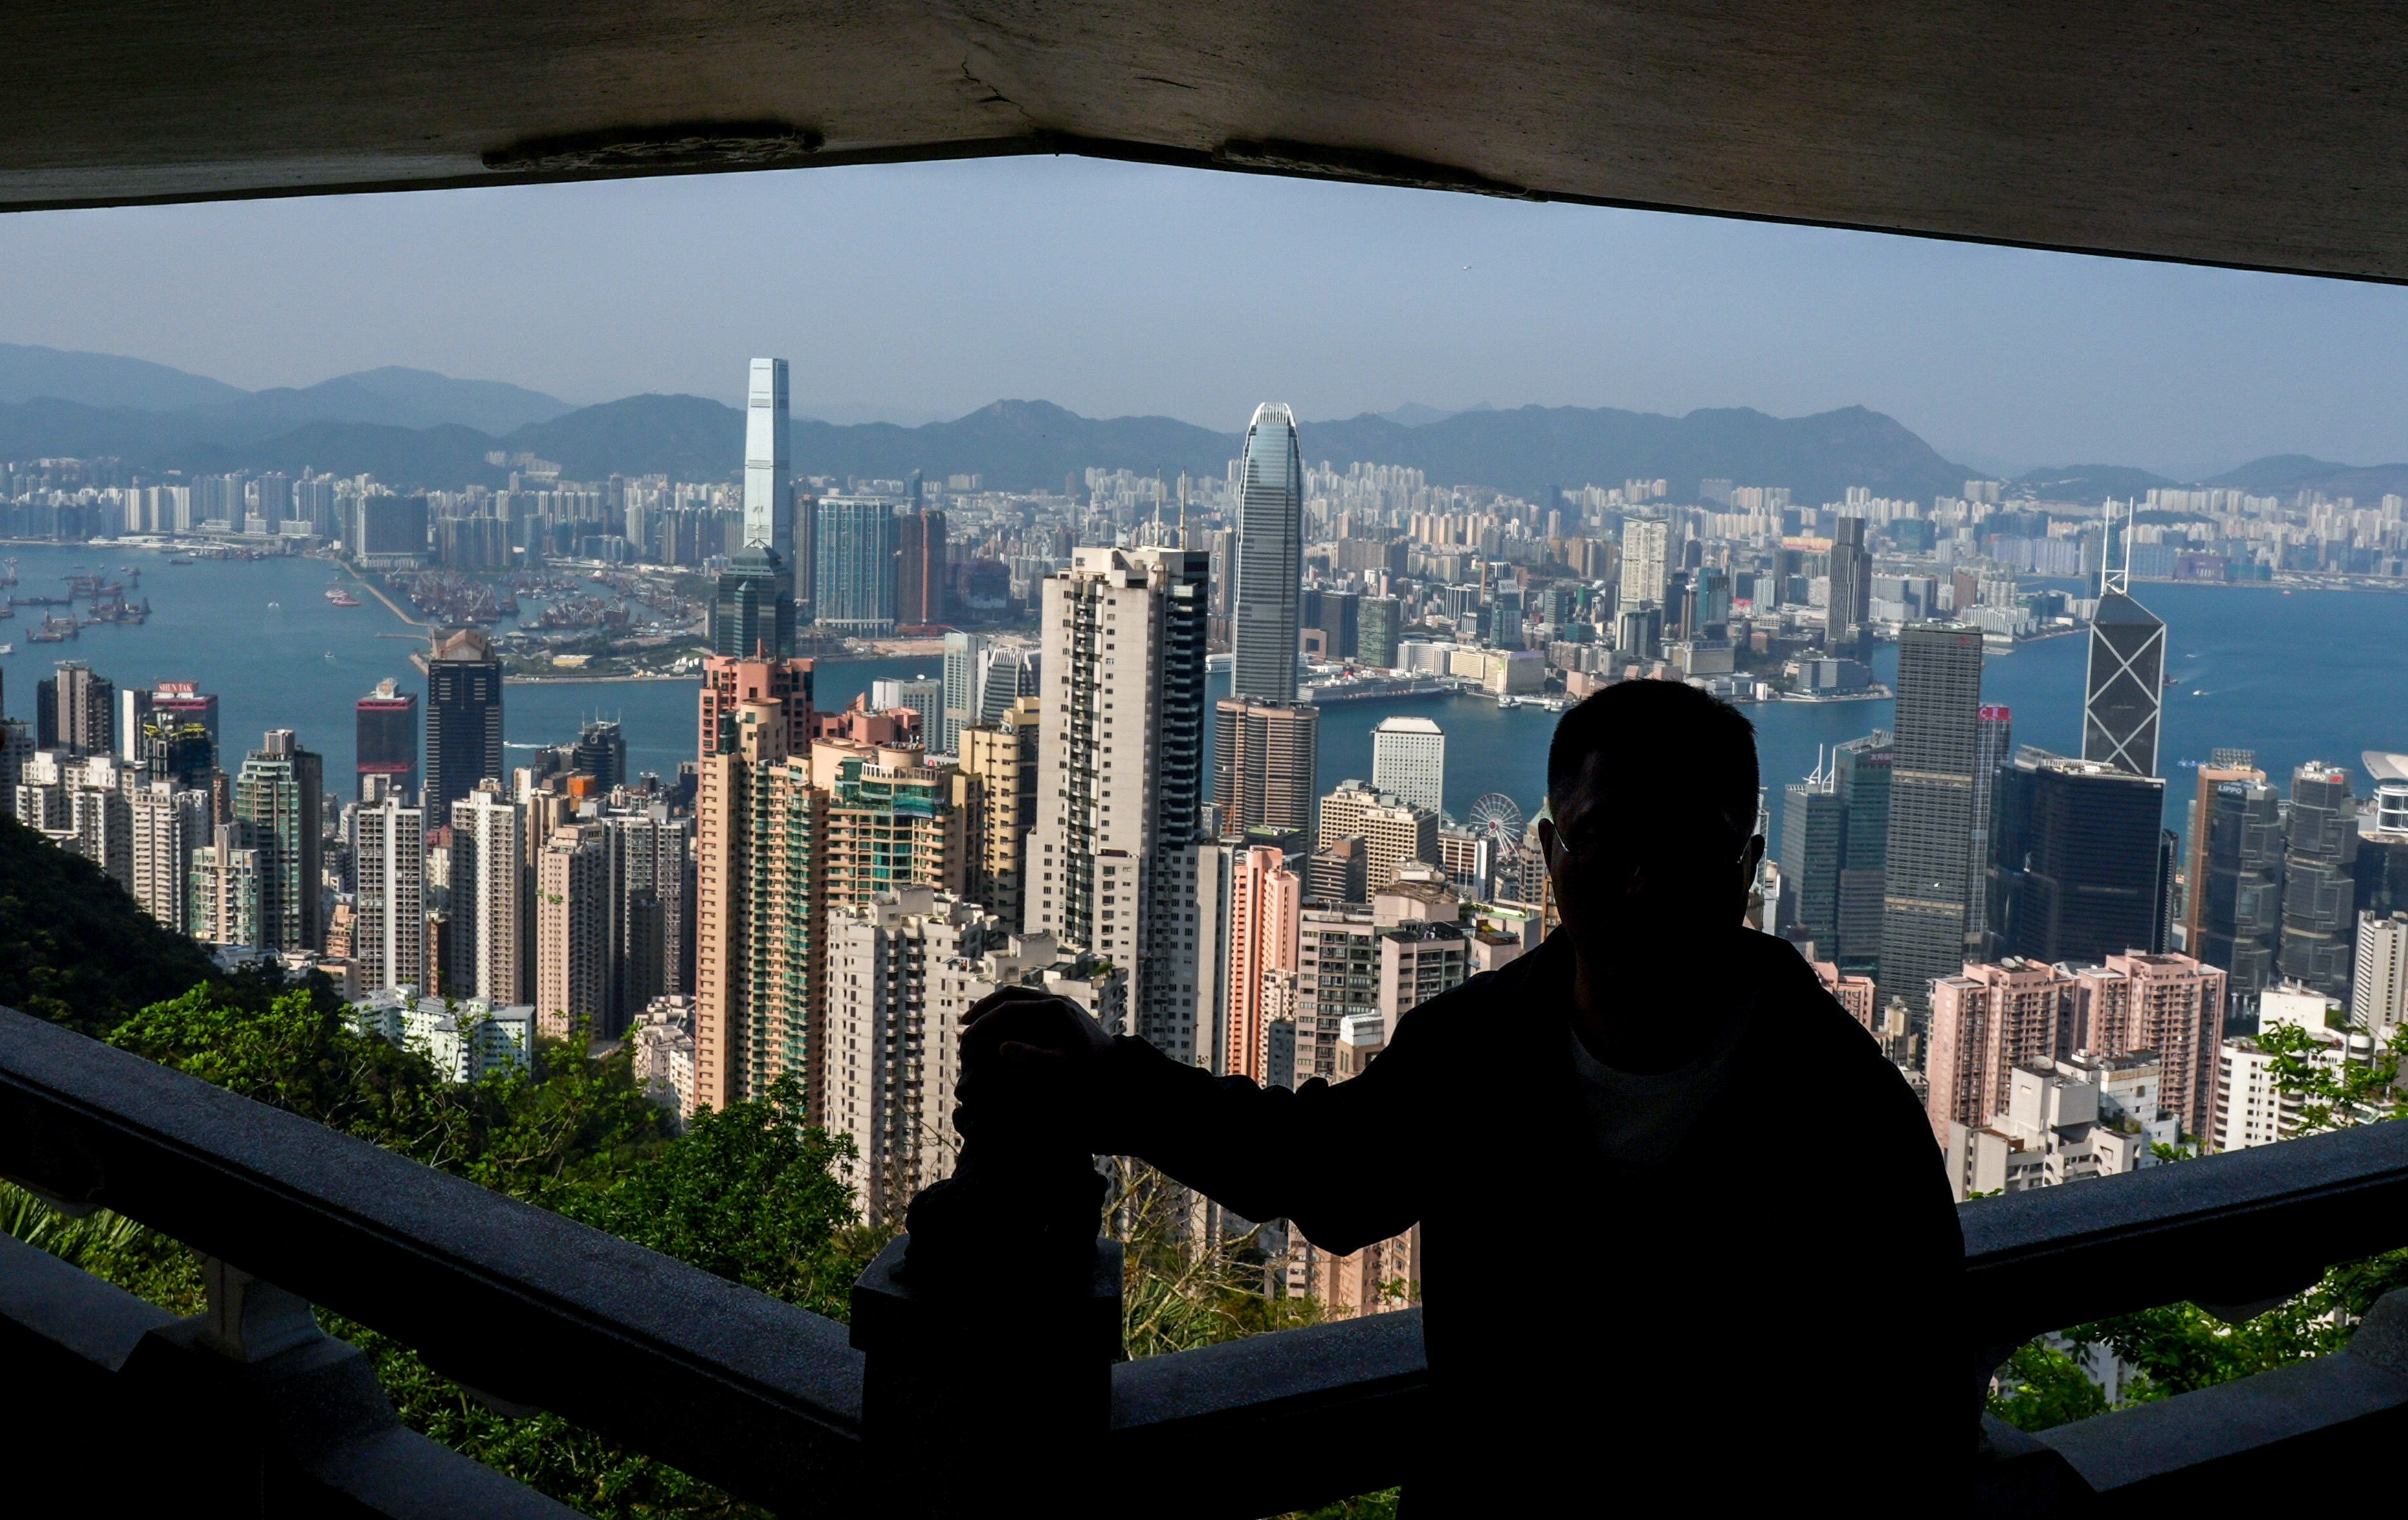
415, 427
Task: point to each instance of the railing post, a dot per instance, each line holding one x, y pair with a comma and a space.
989, 1332
258, 1395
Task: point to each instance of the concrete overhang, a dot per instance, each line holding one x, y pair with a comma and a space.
2268, 136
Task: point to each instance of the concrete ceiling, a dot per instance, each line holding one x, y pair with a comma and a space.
2270, 135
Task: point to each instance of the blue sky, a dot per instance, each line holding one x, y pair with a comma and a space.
927, 290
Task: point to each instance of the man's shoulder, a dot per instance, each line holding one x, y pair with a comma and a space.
1796, 1018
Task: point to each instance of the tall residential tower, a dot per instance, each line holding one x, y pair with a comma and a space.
1111, 864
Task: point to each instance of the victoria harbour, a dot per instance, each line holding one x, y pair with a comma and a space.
2294, 676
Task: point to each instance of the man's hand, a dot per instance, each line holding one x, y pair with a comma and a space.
1031, 1068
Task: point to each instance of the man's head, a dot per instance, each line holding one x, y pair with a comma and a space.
1651, 811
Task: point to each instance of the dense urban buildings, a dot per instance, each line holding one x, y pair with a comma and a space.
1068, 801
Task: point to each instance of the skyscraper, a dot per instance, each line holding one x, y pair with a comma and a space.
1112, 864
572, 933
768, 519
1927, 877
1265, 904
966, 659
2222, 766
169, 824
730, 681
386, 741
1645, 545
853, 585
389, 846
920, 569
278, 798
2319, 897
894, 820
999, 759
2077, 869
2128, 661
2378, 992
1263, 762
74, 711
752, 605
897, 1001
1994, 745
923, 695
760, 828
463, 717
178, 741
1375, 640
225, 889
1813, 848
2238, 897
601, 751
2126, 691
1847, 619
1408, 758
1270, 559
1861, 774
487, 934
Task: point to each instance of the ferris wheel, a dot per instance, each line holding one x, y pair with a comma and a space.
1498, 817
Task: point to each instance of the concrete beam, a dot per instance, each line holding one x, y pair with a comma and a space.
2271, 135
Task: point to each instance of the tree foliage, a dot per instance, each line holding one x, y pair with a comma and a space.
74, 948
753, 1194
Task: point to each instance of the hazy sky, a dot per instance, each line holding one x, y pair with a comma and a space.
928, 290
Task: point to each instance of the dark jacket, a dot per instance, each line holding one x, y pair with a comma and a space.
1768, 1312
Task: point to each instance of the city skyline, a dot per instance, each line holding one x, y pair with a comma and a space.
2001, 357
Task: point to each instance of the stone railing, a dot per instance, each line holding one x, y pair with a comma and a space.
913, 1407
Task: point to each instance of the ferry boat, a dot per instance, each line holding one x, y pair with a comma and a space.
341, 598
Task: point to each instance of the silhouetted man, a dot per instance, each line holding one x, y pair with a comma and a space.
1687, 1242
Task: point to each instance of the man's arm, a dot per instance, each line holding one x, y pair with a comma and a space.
1341, 1162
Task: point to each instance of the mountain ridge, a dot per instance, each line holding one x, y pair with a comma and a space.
419, 428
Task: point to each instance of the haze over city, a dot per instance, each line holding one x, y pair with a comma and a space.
916, 293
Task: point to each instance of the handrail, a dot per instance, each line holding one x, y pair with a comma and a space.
2236, 1228
765, 1399
749, 1393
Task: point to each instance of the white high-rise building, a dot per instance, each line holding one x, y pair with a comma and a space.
894, 1042
1645, 544
1111, 864
1408, 758
2378, 987
389, 846
490, 947
168, 825
769, 508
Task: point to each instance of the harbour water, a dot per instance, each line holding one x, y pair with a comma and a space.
2310, 675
